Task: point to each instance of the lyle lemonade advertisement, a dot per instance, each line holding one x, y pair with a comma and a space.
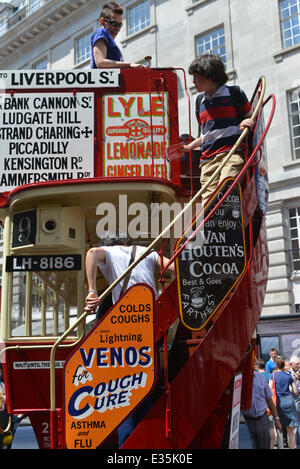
111, 371
136, 134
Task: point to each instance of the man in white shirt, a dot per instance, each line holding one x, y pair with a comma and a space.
113, 260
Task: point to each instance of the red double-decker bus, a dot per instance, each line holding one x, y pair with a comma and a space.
87, 151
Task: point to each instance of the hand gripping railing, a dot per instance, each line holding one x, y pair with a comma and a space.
262, 84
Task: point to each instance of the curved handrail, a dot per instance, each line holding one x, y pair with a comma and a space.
262, 82
7, 429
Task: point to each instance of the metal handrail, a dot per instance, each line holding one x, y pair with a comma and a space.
7, 429
243, 135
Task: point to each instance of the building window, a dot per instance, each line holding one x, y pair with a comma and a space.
212, 42
138, 17
297, 308
35, 5
290, 22
2, 26
83, 48
266, 343
22, 4
40, 65
294, 215
294, 116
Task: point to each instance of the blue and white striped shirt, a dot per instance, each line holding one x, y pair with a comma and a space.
220, 120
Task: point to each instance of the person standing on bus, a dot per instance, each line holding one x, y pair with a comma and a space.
112, 259
223, 115
105, 52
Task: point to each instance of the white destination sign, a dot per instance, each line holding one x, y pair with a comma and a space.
45, 137
20, 79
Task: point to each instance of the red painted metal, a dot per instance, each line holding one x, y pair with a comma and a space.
201, 382
28, 390
148, 81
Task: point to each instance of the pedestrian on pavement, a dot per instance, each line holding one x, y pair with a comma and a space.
287, 365
285, 403
270, 365
295, 372
261, 368
256, 417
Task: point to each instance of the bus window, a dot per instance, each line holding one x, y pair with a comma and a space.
290, 345
43, 303
266, 343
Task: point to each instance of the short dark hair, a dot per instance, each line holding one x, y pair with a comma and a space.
109, 8
209, 66
260, 364
114, 238
280, 362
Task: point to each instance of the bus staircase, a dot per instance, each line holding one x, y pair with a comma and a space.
194, 392
193, 409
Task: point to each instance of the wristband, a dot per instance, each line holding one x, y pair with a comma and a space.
277, 418
93, 291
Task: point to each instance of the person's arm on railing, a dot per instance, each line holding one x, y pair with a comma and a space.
93, 257
165, 261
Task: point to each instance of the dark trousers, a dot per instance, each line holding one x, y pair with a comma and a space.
259, 429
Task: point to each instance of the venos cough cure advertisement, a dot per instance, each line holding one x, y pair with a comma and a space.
111, 371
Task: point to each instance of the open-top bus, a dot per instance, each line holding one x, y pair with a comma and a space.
86, 151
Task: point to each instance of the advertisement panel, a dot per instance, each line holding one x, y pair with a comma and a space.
111, 371
235, 412
212, 263
45, 137
136, 135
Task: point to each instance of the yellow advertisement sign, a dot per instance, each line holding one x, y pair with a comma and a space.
111, 371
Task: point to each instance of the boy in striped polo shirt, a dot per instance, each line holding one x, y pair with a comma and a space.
221, 119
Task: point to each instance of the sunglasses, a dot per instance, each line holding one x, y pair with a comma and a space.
114, 23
